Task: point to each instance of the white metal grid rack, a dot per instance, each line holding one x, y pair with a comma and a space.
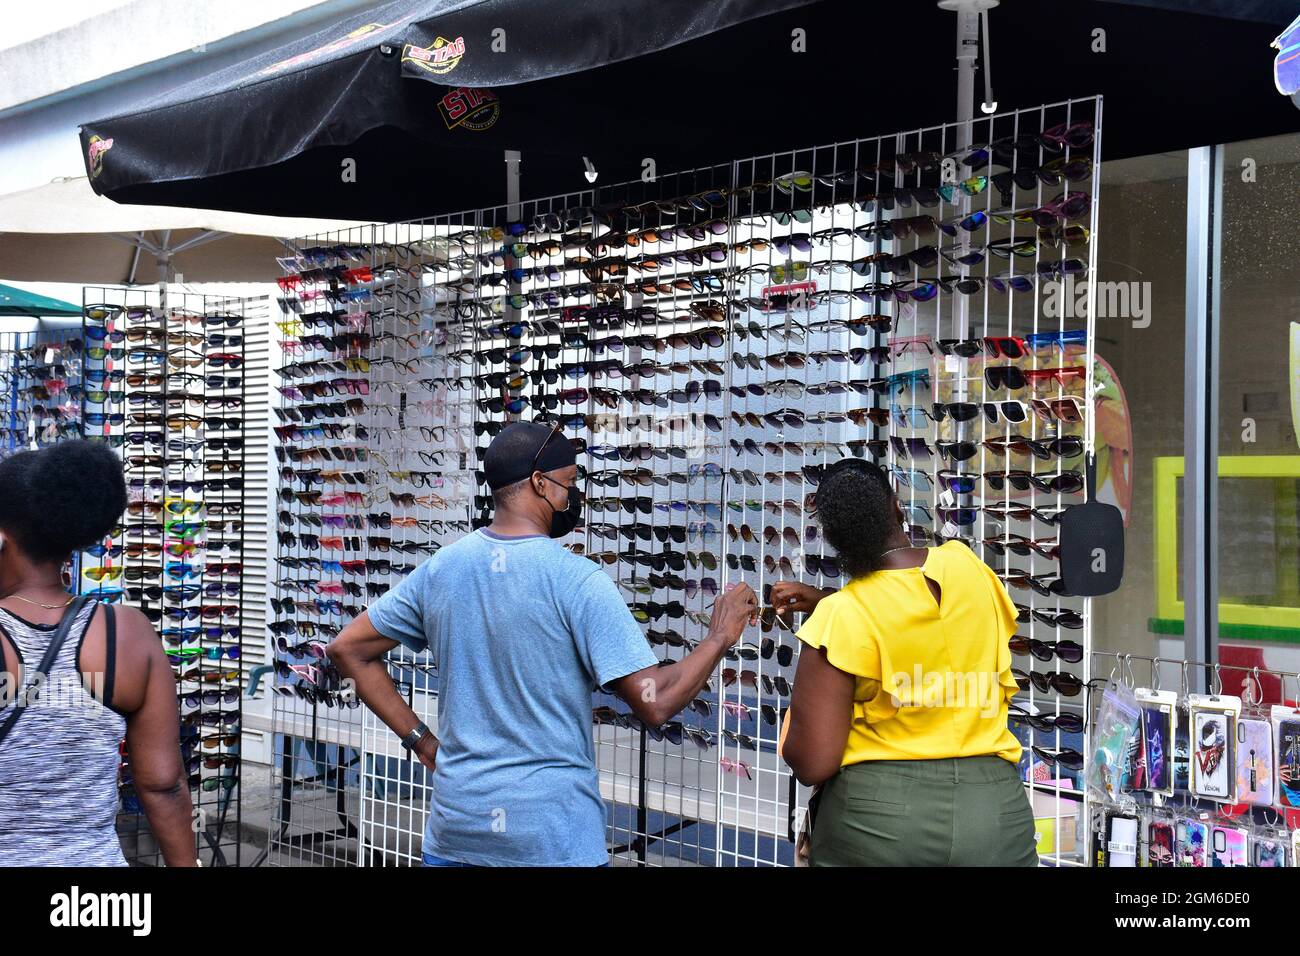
769, 321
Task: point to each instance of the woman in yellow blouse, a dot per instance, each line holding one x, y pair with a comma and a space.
900, 700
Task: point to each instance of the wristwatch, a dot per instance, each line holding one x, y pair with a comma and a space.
413, 738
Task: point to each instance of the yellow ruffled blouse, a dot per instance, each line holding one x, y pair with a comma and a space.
933, 678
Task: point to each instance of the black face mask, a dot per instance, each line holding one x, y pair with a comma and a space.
563, 522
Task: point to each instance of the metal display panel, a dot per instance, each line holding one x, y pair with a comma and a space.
164, 387
40, 374
711, 341
319, 573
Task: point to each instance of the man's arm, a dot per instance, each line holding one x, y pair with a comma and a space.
658, 694
359, 652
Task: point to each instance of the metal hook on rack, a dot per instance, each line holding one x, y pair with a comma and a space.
1116, 666
1155, 673
1130, 679
1252, 688
1216, 688
1186, 687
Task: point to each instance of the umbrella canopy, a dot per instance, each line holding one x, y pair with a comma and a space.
63, 232
20, 302
429, 85
404, 112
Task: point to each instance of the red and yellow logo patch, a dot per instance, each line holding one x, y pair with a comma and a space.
439, 59
469, 108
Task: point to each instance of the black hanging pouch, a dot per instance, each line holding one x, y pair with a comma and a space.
1092, 543
57, 640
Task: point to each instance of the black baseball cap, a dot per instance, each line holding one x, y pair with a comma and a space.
511, 455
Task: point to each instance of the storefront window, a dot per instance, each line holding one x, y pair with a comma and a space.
1259, 406
1141, 268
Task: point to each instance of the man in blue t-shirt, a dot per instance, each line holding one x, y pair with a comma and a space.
522, 631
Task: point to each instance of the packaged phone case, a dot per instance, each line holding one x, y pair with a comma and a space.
1286, 731
1157, 711
1160, 843
1116, 724
1121, 842
1271, 850
1182, 748
1190, 839
1255, 761
1228, 846
1214, 739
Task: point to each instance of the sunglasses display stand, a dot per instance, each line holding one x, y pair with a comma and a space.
165, 387
710, 341
40, 374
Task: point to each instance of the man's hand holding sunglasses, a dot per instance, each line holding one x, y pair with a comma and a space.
657, 694
734, 610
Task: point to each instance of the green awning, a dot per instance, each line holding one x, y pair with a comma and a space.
20, 302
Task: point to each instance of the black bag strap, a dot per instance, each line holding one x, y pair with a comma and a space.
57, 640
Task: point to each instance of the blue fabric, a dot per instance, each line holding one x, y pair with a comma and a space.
522, 632
428, 859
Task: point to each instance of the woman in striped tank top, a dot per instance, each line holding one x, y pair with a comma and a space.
111, 679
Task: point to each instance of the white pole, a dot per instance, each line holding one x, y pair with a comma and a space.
968, 45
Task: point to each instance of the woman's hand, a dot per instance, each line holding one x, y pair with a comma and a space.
792, 597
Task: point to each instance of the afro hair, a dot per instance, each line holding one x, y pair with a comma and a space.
61, 499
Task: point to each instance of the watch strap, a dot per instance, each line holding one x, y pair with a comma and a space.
415, 736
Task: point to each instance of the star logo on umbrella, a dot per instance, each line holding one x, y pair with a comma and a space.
95, 154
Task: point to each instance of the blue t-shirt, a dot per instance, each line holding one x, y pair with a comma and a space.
522, 632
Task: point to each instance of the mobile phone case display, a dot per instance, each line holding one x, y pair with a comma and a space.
1197, 780
165, 387
40, 372
710, 342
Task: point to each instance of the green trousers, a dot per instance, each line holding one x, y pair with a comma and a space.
966, 811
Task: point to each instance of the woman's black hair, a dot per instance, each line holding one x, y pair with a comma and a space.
61, 499
855, 508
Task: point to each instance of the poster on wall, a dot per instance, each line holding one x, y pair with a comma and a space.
1114, 439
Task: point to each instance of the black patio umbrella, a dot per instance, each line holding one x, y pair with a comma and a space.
404, 111
402, 108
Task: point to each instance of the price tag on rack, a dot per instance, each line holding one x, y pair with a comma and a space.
50, 355
952, 364
949, 530
946, 498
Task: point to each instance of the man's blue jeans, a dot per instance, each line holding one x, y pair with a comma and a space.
428, 859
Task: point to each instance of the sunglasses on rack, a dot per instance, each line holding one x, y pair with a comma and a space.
1062, 682
1048, 723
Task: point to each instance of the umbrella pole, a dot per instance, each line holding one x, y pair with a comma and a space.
164, 261
969, 13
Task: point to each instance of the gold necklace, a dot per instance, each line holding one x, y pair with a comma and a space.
48, 607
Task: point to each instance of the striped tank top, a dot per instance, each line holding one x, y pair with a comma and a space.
58, 765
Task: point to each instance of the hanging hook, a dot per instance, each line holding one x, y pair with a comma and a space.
1257, 691
1217, 687
1114, 667
1186, 684
1155, 673
1130, 678
990, 105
